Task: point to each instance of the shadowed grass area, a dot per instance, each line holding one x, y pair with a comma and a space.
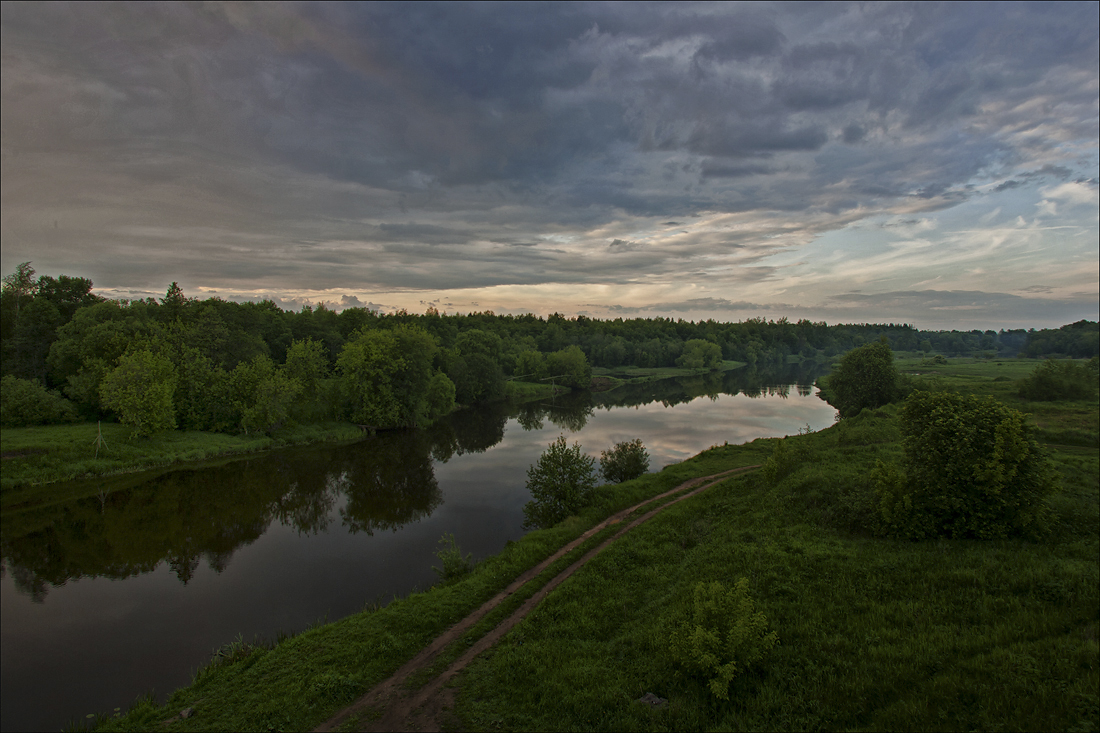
43, 454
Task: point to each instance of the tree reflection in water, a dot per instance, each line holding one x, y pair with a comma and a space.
129, 525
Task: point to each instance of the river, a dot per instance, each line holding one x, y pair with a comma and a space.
130, 589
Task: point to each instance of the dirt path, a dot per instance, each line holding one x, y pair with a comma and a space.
425, 709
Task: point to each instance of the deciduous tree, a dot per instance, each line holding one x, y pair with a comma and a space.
140, 391
561, 483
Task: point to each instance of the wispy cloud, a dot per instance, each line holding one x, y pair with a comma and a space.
646, 156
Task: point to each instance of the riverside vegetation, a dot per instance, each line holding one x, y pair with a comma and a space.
871, 631
976, 625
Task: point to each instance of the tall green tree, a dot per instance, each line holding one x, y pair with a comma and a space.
570, 367
367, 365
700, 354
262, 395
307, 362
140, 391
866, 378
34, 334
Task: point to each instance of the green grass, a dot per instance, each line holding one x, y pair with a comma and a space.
637, 375
48, 453
520, 392
874, 633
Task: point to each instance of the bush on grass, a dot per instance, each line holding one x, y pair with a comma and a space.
972, 469
450, 557
627, 460
25, 402
561, 484
724, 636
1060, 380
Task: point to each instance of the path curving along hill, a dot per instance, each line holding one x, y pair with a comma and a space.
392, 705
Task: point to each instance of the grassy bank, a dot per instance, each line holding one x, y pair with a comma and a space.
874, 633
520, 392
637, 375
49, 453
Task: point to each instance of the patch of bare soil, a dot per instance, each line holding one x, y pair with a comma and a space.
391, 706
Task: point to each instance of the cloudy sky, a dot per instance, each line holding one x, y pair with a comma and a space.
932, 164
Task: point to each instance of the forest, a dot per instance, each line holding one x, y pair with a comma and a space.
222, 366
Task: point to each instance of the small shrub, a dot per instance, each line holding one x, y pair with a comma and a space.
627, 460
786, 457
724, 636
561, 483
454, 564
1060, 380
26, 402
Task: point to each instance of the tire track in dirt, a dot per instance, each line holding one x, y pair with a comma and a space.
423, 709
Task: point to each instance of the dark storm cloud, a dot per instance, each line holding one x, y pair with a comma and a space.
451, 145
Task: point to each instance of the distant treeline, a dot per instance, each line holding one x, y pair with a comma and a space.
234, 366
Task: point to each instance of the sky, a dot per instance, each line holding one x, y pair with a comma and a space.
932, 164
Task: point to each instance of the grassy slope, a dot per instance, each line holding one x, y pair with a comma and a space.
61, 452
873, 633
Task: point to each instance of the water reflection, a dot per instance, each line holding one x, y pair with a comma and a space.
186, 516
278, 542
127, 526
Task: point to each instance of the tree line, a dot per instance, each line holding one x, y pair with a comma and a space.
218, 365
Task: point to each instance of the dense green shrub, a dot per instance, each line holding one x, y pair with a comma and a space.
140, 391
724, 635
26, 402
1061, 380
865, 378
627, 460
561, 483
972, 469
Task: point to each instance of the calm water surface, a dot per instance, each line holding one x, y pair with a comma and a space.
130, 589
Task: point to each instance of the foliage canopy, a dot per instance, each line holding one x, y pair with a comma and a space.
865, 378
627, 460
140, 390
972, 469
561, 483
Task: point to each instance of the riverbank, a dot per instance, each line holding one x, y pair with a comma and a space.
48, 454
874, 633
